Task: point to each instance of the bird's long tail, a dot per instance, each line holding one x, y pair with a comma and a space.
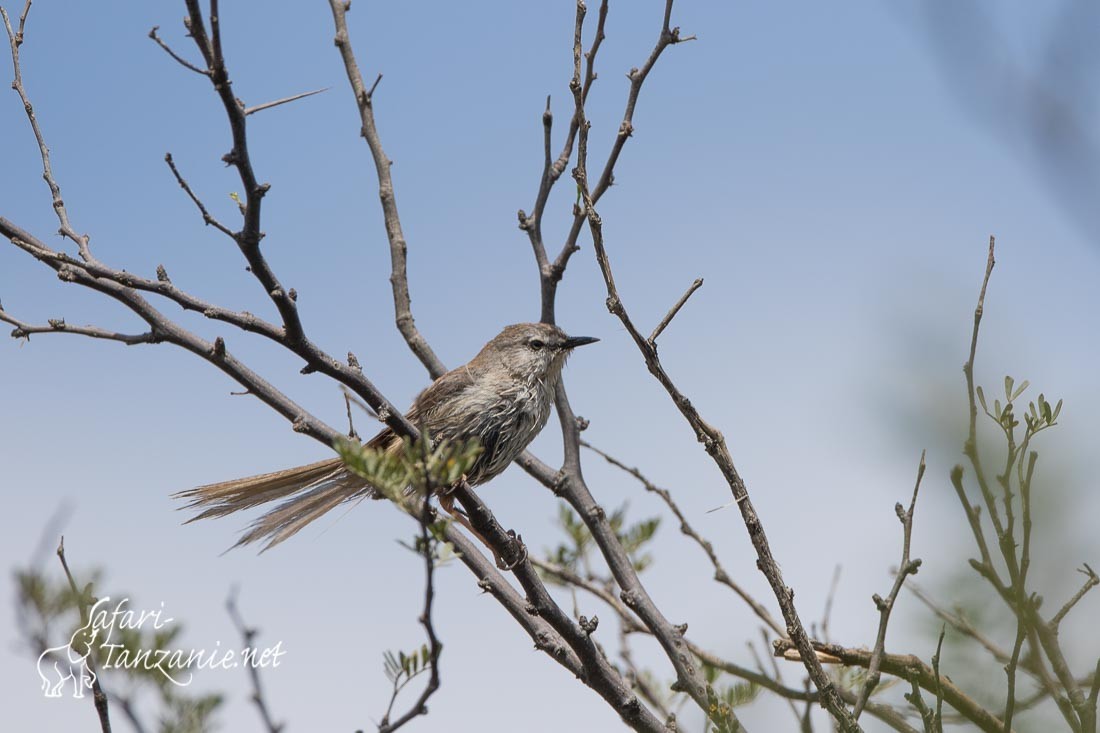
305, 493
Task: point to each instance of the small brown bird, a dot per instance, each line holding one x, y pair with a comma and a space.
502, 397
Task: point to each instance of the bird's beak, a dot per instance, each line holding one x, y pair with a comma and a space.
574, 341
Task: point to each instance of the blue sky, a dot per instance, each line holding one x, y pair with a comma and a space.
820, 165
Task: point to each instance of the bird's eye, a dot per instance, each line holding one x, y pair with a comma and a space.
536, 344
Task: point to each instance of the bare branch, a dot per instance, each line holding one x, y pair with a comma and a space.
826, 615
674, 310
435, 648
493, 582
284, 100
58, 325
551, 274
906, 568
179, 59
398, 246
720, 573
99, 697
600, 675
959, 622
906, 667
1091, 581
206, 217
248, 637
627, 618
15, 40
708, 435
637, 76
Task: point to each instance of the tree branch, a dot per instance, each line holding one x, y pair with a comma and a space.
907, 667
179, 59
435, 647
599, 674
285, 100
58, 325
673, 311
248, 637
720, 574
99, 697
712, 439
906, 568
399, 280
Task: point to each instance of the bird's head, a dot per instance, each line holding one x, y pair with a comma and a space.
531, 351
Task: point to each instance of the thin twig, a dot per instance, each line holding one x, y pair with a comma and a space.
939, 689
399, 278
776, 673
827, 614
179, 59
58, 325
674, 310
285, 100
99, 697
906, 568
720, 573
550, 274
248, 637
15, 40
206, 217
959, 622
435, 647
1091, 581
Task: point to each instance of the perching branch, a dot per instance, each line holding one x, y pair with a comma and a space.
599, 674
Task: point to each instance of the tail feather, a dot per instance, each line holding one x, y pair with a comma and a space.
307, 492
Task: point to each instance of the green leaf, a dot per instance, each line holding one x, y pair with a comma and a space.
1020, 390
1008, 388
981, 399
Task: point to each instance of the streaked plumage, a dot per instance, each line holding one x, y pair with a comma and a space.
502, 397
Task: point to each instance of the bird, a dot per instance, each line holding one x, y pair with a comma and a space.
502, 398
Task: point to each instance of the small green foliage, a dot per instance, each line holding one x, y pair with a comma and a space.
442, 552
1039, 415
419, 468
189, 714
572, 554
635, 536
403, 667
